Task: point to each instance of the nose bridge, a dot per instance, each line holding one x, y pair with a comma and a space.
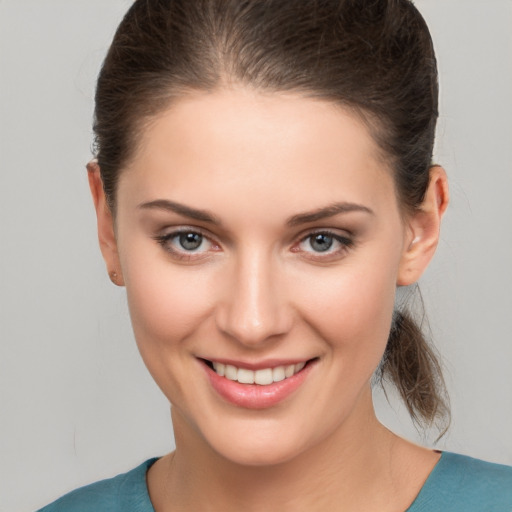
255, 308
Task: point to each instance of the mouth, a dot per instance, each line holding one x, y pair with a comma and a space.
261, 377
261, 387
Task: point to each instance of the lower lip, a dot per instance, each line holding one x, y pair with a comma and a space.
254, 396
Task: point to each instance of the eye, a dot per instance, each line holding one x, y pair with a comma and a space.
190, 241
186, 244
320, 242
324, 244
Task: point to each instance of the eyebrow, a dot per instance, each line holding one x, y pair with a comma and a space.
295, 220
181, 209
325, 213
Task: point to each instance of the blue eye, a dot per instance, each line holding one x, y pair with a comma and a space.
186, 244
324, 244
190, 241
321, 242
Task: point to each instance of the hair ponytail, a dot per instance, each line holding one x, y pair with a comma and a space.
410, 363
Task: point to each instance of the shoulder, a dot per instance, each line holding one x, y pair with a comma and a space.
459, 482
124, 493
477, 477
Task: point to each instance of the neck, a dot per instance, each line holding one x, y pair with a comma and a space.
350, 469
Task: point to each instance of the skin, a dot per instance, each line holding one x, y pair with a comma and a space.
257, 289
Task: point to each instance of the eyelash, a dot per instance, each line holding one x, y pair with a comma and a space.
183, 255
345, 243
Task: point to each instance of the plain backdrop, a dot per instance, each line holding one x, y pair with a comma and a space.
76, 403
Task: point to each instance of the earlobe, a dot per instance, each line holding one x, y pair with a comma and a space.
423, 229
105, 223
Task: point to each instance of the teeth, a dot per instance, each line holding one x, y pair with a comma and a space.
278, 374
289, 370
231, 372
219, 368
246, 376
263, 377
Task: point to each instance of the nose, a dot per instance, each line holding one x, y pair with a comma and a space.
255, 308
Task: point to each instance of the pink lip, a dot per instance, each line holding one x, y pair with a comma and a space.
254, 396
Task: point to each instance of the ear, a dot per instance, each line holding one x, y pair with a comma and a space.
105, 220
422, 229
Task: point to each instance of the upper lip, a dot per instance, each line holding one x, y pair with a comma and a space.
257, 365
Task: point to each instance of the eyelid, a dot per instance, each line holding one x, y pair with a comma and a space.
167, 234
346, 242
182, 228
338, 234
343, 237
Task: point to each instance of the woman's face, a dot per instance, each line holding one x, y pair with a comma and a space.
259, 234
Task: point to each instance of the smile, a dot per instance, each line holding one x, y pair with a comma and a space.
257, 388
263, 377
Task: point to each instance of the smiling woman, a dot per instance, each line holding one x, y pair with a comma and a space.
257, 290
263, 184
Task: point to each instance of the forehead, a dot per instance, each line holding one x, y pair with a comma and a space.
270, 146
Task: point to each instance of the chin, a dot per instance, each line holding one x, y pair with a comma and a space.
250, 441
259, 452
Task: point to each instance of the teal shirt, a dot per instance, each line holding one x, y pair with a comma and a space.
456, 484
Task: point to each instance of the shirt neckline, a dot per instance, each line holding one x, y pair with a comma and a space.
421, 499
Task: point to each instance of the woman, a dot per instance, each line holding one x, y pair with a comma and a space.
263, 185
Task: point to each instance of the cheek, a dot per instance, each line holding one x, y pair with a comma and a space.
353, 307
166, 306
167, 302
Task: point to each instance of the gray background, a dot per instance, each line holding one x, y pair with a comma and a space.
76, 403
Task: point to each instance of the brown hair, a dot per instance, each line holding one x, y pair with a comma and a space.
372, 56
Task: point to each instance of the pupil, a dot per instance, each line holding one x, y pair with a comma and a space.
190, 241
321, 243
